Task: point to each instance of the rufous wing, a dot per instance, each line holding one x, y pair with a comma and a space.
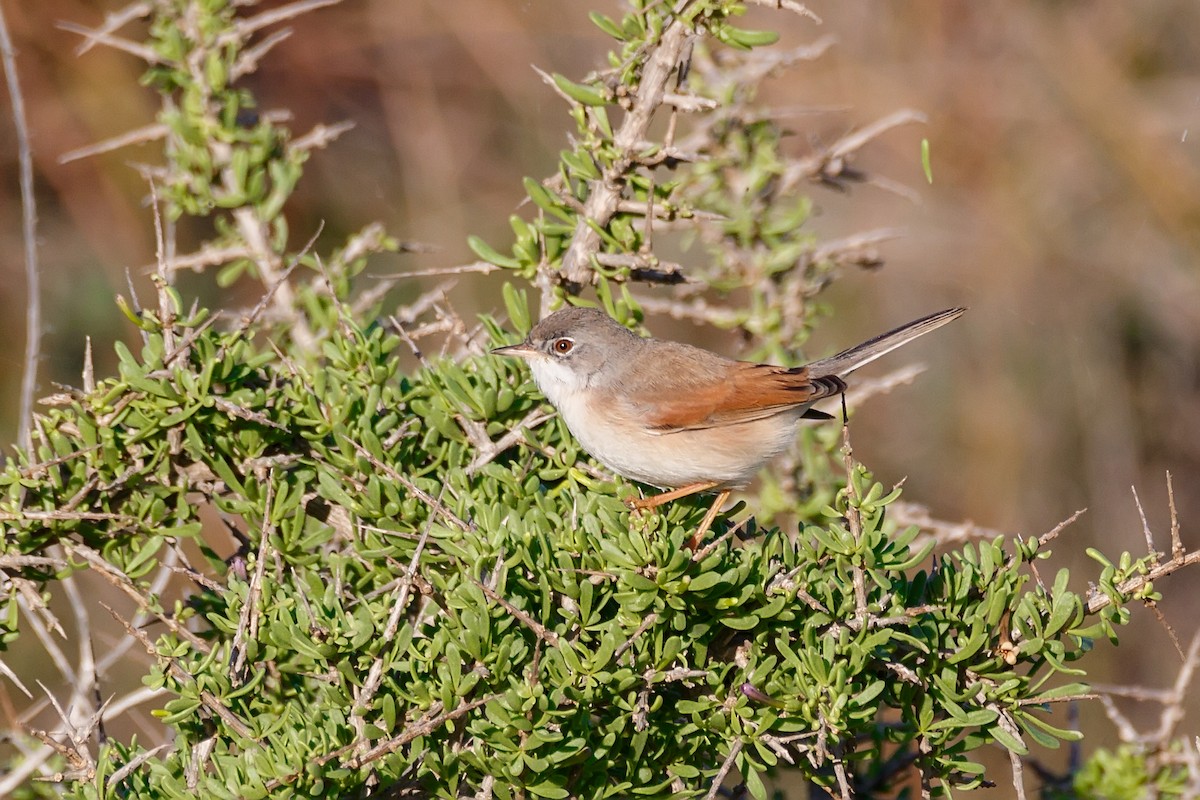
743, 393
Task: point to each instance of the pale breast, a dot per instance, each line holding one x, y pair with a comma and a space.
728, 455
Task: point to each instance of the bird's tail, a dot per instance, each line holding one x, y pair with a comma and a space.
847, 361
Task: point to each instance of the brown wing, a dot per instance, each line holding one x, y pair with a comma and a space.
744, 392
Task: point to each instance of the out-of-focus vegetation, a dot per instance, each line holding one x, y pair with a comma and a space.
1063, 210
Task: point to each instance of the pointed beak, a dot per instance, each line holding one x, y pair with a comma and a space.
519, 350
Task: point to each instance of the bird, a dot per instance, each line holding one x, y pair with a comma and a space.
678, 417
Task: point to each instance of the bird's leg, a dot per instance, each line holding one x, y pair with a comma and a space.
656, 500
708, 520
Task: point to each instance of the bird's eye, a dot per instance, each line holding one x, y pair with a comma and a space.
563, 346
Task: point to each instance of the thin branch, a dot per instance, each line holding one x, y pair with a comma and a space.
116, 20
146, 133
207, 698
545, 634
1145, 523
605, 192
486, 455
375, 675
248, 619
115, 779
1177, 548
425, 497
33, 314
102, 36
789, 5
726, 765
248, 26
1098, 601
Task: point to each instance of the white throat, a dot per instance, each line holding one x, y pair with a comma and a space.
558, 382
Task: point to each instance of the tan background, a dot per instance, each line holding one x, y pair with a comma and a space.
1065, 210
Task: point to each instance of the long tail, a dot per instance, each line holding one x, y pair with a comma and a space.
847, 361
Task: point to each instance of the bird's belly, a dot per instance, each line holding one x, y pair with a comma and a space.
727, 456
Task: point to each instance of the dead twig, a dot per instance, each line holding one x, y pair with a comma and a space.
33, 310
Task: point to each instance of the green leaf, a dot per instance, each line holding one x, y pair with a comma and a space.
587, 95
485, 251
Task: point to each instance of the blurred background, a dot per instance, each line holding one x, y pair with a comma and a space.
1064, 210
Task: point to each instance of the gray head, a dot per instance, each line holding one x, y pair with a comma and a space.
567, 349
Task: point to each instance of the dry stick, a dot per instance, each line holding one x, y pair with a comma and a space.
99, 36
1176, 542
605, 192
115, 779
790, 5
514, 437
1100, 601
166, 311
259, 21
375, 675
427, 724
726, 765
1145, 524
1053, 533
816, 165
1014, 759
146, 133
248, 619
478, 267
542, 632
1173, 710
650, 619
33, 314
115, 20
839, 770
255, 232
207, 698
321, 135
121, 581
854, 518
247, 61
86, 674
424, 496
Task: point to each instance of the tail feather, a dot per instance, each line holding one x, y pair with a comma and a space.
847, 361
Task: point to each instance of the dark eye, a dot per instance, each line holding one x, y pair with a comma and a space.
563, 346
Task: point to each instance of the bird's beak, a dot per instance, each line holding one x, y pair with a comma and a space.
520, 350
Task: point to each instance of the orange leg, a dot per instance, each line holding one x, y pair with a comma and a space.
654, 501
708, 520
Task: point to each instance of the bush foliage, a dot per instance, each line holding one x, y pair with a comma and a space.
430, 587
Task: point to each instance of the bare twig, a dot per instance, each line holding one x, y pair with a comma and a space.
103, 36
115, 20
124, 772
146, 133
1177, 548
545, 634
33, 313
726, 765
790, 5
487, 454
425, 497
375, 675
1145, 524
121, 581
605, 192
1098, 601
207, 698
248, 619
291, 10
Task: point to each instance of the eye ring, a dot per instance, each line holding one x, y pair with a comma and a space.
562, 346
